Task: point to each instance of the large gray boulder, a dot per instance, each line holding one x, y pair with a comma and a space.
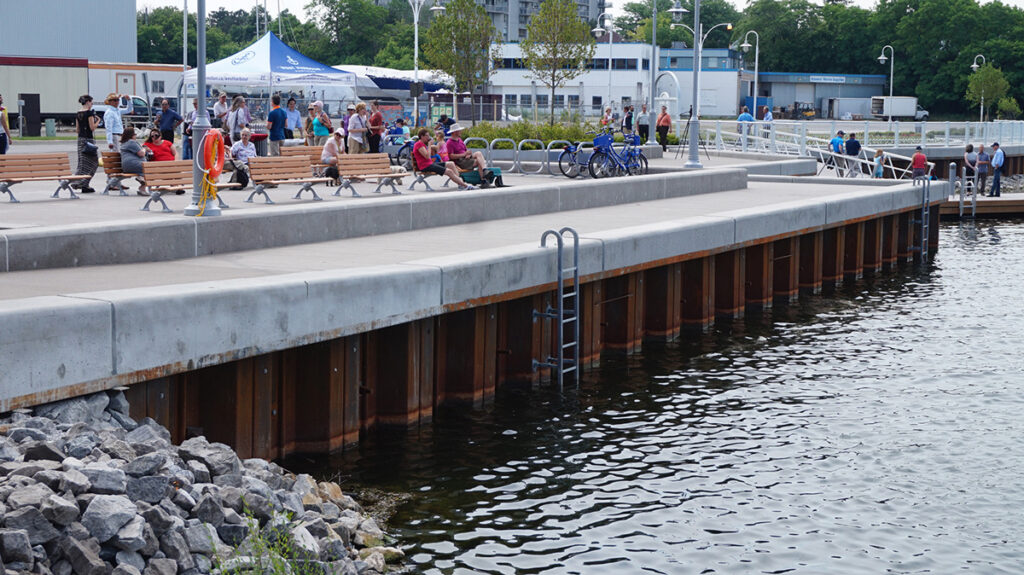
106, 515
131, 537
217, 457
15, 546
32, 522
150, 489
105, 480
29, 496
174, 547
59, 511
161, 567
145, 465
84, 556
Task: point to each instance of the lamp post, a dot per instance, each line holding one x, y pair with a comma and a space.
757, 54
699, 36
416, 6
675, 11
202, 123
974, 67
610, 28
892, 68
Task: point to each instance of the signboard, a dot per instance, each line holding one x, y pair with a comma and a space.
828, 79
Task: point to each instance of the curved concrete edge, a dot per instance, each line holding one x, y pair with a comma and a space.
52, 343
798, 167
826, 181
134, 241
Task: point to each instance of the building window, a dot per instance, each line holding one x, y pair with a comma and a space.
598, 64
574, 101
646, 64
542, 100
559, 101
510, 100
623, 64
525, 100
158, 86
595, 103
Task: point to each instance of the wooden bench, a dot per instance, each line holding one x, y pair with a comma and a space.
112, 168
173, 176
18, 168
276, 170
311, 152
352, 167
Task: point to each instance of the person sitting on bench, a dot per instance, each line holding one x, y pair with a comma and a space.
462, 157
426, 164
241, 151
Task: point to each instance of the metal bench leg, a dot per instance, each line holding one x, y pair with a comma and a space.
220, 202
65, 185
307, 186
346, 183
156, 197
5, 188
114, 183
421, 179
446, 182
259, 189
390, 182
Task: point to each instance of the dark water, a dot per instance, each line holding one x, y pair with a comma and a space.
877, 429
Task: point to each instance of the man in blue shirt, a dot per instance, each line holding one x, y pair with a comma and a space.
167, 120
837, 142
983, 162
998, 158
276, 120
744, 121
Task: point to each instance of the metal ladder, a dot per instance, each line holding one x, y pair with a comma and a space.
967, 184
566, 313
925, 215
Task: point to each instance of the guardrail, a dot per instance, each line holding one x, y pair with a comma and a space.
898, 134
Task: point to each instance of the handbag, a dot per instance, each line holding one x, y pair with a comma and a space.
91, 148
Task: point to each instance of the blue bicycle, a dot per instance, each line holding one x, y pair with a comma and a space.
606, 161
572, 162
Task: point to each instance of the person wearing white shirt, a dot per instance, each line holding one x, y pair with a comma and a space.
112, 119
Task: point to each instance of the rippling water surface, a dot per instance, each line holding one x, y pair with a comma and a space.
877, 429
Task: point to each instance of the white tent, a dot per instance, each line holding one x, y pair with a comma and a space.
270, 63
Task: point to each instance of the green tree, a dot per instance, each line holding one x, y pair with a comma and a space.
1007, 108
636, 22
352, 29
987, 85
397, 53
558, 45
460, 42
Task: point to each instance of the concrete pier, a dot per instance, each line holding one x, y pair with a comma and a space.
293, 328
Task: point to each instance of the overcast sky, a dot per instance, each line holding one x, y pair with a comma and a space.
297, 7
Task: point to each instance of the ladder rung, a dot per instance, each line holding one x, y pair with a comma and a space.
568, 320
568, 294
568, 345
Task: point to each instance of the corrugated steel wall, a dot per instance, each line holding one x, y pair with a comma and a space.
99, 30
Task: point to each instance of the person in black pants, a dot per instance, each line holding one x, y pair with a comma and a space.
643, 126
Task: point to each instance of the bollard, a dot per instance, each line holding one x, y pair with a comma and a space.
519, 156
493, 146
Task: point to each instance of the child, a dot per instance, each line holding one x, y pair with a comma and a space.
879, 156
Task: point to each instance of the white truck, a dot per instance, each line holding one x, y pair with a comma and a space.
847, 108
898, 107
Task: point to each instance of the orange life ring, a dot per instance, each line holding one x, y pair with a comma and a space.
213, 153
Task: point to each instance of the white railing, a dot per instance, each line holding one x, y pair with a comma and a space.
896, 134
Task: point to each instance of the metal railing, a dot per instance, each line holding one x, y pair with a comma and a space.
896, 134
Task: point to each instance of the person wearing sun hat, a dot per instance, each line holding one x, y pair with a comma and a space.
112, 119
462, 157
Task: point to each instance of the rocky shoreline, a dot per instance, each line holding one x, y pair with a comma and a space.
85, 489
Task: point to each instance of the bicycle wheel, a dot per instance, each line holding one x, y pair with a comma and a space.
405, 157
567, 163
600, 165
638, 166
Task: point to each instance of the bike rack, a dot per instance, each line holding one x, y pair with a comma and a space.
549, 150
515, 153
519, 159
486, 149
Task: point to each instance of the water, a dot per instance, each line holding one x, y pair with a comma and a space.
873, 430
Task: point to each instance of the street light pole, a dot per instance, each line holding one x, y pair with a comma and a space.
416, 6
757, 55
981, 109
610, 29
693, 160
892, 75
202, 123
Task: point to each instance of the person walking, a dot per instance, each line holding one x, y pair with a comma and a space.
276, 121
919, 163
744, 121
86, 120
293, 122
5, 129
853, 150
879, 167
238, 118
984, 161
357, 130
627, 120
220, 111
664, 124
998, 159
186, 131
767, 119
376, 128
167, 120
643, 124
321, 124
112, 119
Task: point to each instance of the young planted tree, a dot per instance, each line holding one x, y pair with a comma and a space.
459, 41
558, 45
987, 85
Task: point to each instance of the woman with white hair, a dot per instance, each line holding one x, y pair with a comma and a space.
321, 124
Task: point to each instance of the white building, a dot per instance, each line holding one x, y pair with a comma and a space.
622, 80
101, 30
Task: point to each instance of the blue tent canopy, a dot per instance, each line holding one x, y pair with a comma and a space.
269, 62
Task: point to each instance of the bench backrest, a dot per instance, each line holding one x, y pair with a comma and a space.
34, 165
311, 152
266, 169
359, 164
112, 162
174, 175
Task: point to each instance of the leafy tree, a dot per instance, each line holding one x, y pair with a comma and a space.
352, 28
460, 42
158, 38
987, 84
636, 22
397, 53
558, 45
1008, 108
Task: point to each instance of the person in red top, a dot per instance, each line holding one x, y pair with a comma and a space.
919, 163
425, 163
376, 128
664, 123
163, 151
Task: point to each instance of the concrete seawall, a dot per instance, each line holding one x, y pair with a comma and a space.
65, 345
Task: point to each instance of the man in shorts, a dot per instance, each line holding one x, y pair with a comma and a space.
462, 157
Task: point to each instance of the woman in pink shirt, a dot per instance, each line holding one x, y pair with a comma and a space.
425, 163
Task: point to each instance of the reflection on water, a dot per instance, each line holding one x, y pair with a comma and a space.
874, 430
